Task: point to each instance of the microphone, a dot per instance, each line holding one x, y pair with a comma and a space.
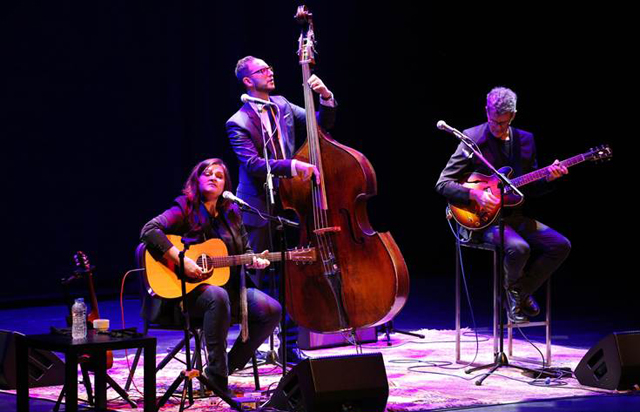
235, 199
245, 98
442, 125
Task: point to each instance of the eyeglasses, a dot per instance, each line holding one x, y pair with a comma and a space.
263, 71
500, 124
493, 119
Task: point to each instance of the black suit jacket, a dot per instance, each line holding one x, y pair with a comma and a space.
523, 160
174, 221
245, 134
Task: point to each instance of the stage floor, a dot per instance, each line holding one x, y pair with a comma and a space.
421, 372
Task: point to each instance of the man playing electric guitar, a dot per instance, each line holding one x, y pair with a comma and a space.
533, 251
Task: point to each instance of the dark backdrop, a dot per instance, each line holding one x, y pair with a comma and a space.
105, 107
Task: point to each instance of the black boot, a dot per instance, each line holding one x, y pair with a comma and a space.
514, 307
529, 306
222, 382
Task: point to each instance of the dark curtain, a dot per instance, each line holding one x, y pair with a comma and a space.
105, 107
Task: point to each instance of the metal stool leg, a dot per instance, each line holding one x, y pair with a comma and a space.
496, 294
546, 323
548, 327
496, 303
457, 303
256, 375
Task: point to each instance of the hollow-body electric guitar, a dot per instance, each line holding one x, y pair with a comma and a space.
474, 217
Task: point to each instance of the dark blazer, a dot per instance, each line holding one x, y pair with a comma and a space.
245, 135
523, 160
174, 221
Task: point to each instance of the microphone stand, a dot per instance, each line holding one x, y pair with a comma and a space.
500, 359
388, 329
186, 376
272, 357
283, 248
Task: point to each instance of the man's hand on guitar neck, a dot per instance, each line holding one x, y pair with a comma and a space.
484, 198
556, 170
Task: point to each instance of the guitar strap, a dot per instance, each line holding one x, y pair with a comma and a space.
244, 310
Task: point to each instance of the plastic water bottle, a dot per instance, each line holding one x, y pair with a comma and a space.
79, 319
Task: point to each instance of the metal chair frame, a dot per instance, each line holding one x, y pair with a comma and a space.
496, 299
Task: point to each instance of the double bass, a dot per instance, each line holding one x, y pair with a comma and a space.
359, 278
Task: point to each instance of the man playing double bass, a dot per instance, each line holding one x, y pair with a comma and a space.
533, 251
282, 126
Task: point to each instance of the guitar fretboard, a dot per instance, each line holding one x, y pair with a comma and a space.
544, 172
237, 260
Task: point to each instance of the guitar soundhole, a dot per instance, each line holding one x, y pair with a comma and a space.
205, 263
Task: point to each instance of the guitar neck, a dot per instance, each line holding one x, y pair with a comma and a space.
544, 172
238, 260
95, 312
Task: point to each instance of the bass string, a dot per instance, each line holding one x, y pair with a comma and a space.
319, 214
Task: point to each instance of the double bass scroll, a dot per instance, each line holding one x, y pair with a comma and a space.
360, 278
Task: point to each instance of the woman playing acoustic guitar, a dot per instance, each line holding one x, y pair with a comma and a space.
199, 215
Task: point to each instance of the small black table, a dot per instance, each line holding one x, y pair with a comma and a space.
95, 344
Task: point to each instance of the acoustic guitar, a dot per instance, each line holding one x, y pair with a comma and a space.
474, 217
85, 269
161, 275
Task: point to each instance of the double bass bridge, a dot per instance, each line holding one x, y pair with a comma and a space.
325, 230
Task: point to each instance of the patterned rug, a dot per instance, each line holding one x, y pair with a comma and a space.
422, 375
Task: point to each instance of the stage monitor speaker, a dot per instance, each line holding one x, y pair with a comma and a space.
45, 368
341, 383
613, 363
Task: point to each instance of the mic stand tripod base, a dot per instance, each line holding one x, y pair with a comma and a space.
186, 377
271, 358
501, 360
387, 328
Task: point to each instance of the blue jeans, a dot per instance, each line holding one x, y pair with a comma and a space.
211, 304
533, 251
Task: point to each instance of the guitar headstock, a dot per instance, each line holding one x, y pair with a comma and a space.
306, 42
303, 255
599, 153
82, 262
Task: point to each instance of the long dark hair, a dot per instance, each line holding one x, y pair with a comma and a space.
192, 191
